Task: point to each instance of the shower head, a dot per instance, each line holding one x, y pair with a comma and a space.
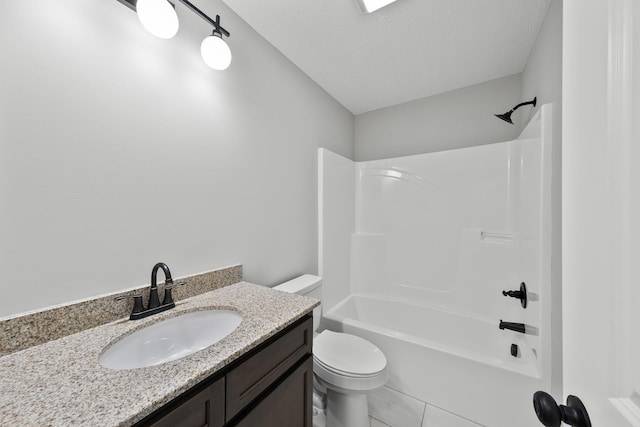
507, 116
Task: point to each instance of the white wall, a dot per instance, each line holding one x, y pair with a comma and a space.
336, 224
456, 119
542, 77
118, 149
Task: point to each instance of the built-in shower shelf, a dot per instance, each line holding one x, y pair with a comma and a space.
505, 237
497, 237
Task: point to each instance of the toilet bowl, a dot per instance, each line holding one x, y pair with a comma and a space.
347, 367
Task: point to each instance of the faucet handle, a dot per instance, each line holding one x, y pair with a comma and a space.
168, 298
173, 285
519, 294
137, 302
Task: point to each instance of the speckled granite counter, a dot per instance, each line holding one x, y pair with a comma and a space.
61, 383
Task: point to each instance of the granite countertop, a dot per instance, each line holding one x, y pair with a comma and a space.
61, 383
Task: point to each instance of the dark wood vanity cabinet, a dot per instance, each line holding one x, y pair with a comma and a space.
270, 386
204, 407
288, 405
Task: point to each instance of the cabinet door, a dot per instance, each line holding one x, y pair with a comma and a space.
204, 409
289, 404
255, 375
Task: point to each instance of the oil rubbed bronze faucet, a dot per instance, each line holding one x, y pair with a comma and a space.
154, 301
154, 306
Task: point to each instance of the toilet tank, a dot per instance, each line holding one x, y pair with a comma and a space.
309, 286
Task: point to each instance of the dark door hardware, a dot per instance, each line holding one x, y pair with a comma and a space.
518, 327
521, 294
552, 415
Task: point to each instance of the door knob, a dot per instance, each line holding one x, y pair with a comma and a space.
552, 415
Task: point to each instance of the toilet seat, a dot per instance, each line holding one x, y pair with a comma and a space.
343, 373
348, 363
348, 354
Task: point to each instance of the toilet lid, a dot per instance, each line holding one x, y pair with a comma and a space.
348, 354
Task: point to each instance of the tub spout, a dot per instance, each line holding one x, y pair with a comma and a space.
518, 327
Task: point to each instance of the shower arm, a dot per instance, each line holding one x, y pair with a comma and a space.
507, 116
522, 104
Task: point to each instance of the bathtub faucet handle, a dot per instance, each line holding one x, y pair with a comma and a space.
520, 294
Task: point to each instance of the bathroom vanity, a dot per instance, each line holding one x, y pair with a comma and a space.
258, 375
271, 386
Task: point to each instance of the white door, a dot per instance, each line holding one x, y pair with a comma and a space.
601, 208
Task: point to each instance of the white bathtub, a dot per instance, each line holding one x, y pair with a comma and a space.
456, 362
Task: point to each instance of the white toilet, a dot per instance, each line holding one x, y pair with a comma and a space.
346, 366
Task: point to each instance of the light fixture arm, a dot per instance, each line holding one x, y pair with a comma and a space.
217, 28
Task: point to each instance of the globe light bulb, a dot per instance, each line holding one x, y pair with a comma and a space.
215, 52
158, 17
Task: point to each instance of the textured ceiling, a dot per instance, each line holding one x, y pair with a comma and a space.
405, 51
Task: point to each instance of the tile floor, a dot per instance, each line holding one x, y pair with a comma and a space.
389, 408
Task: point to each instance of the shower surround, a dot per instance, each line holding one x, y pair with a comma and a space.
415, 253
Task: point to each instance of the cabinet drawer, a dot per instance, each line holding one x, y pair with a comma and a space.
204, 409
257, 373
289, 404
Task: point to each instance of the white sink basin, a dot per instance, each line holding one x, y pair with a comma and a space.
170, 339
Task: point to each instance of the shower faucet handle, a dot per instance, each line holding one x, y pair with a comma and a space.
520, 294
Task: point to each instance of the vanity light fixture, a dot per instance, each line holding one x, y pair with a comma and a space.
160, 19
214, 50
